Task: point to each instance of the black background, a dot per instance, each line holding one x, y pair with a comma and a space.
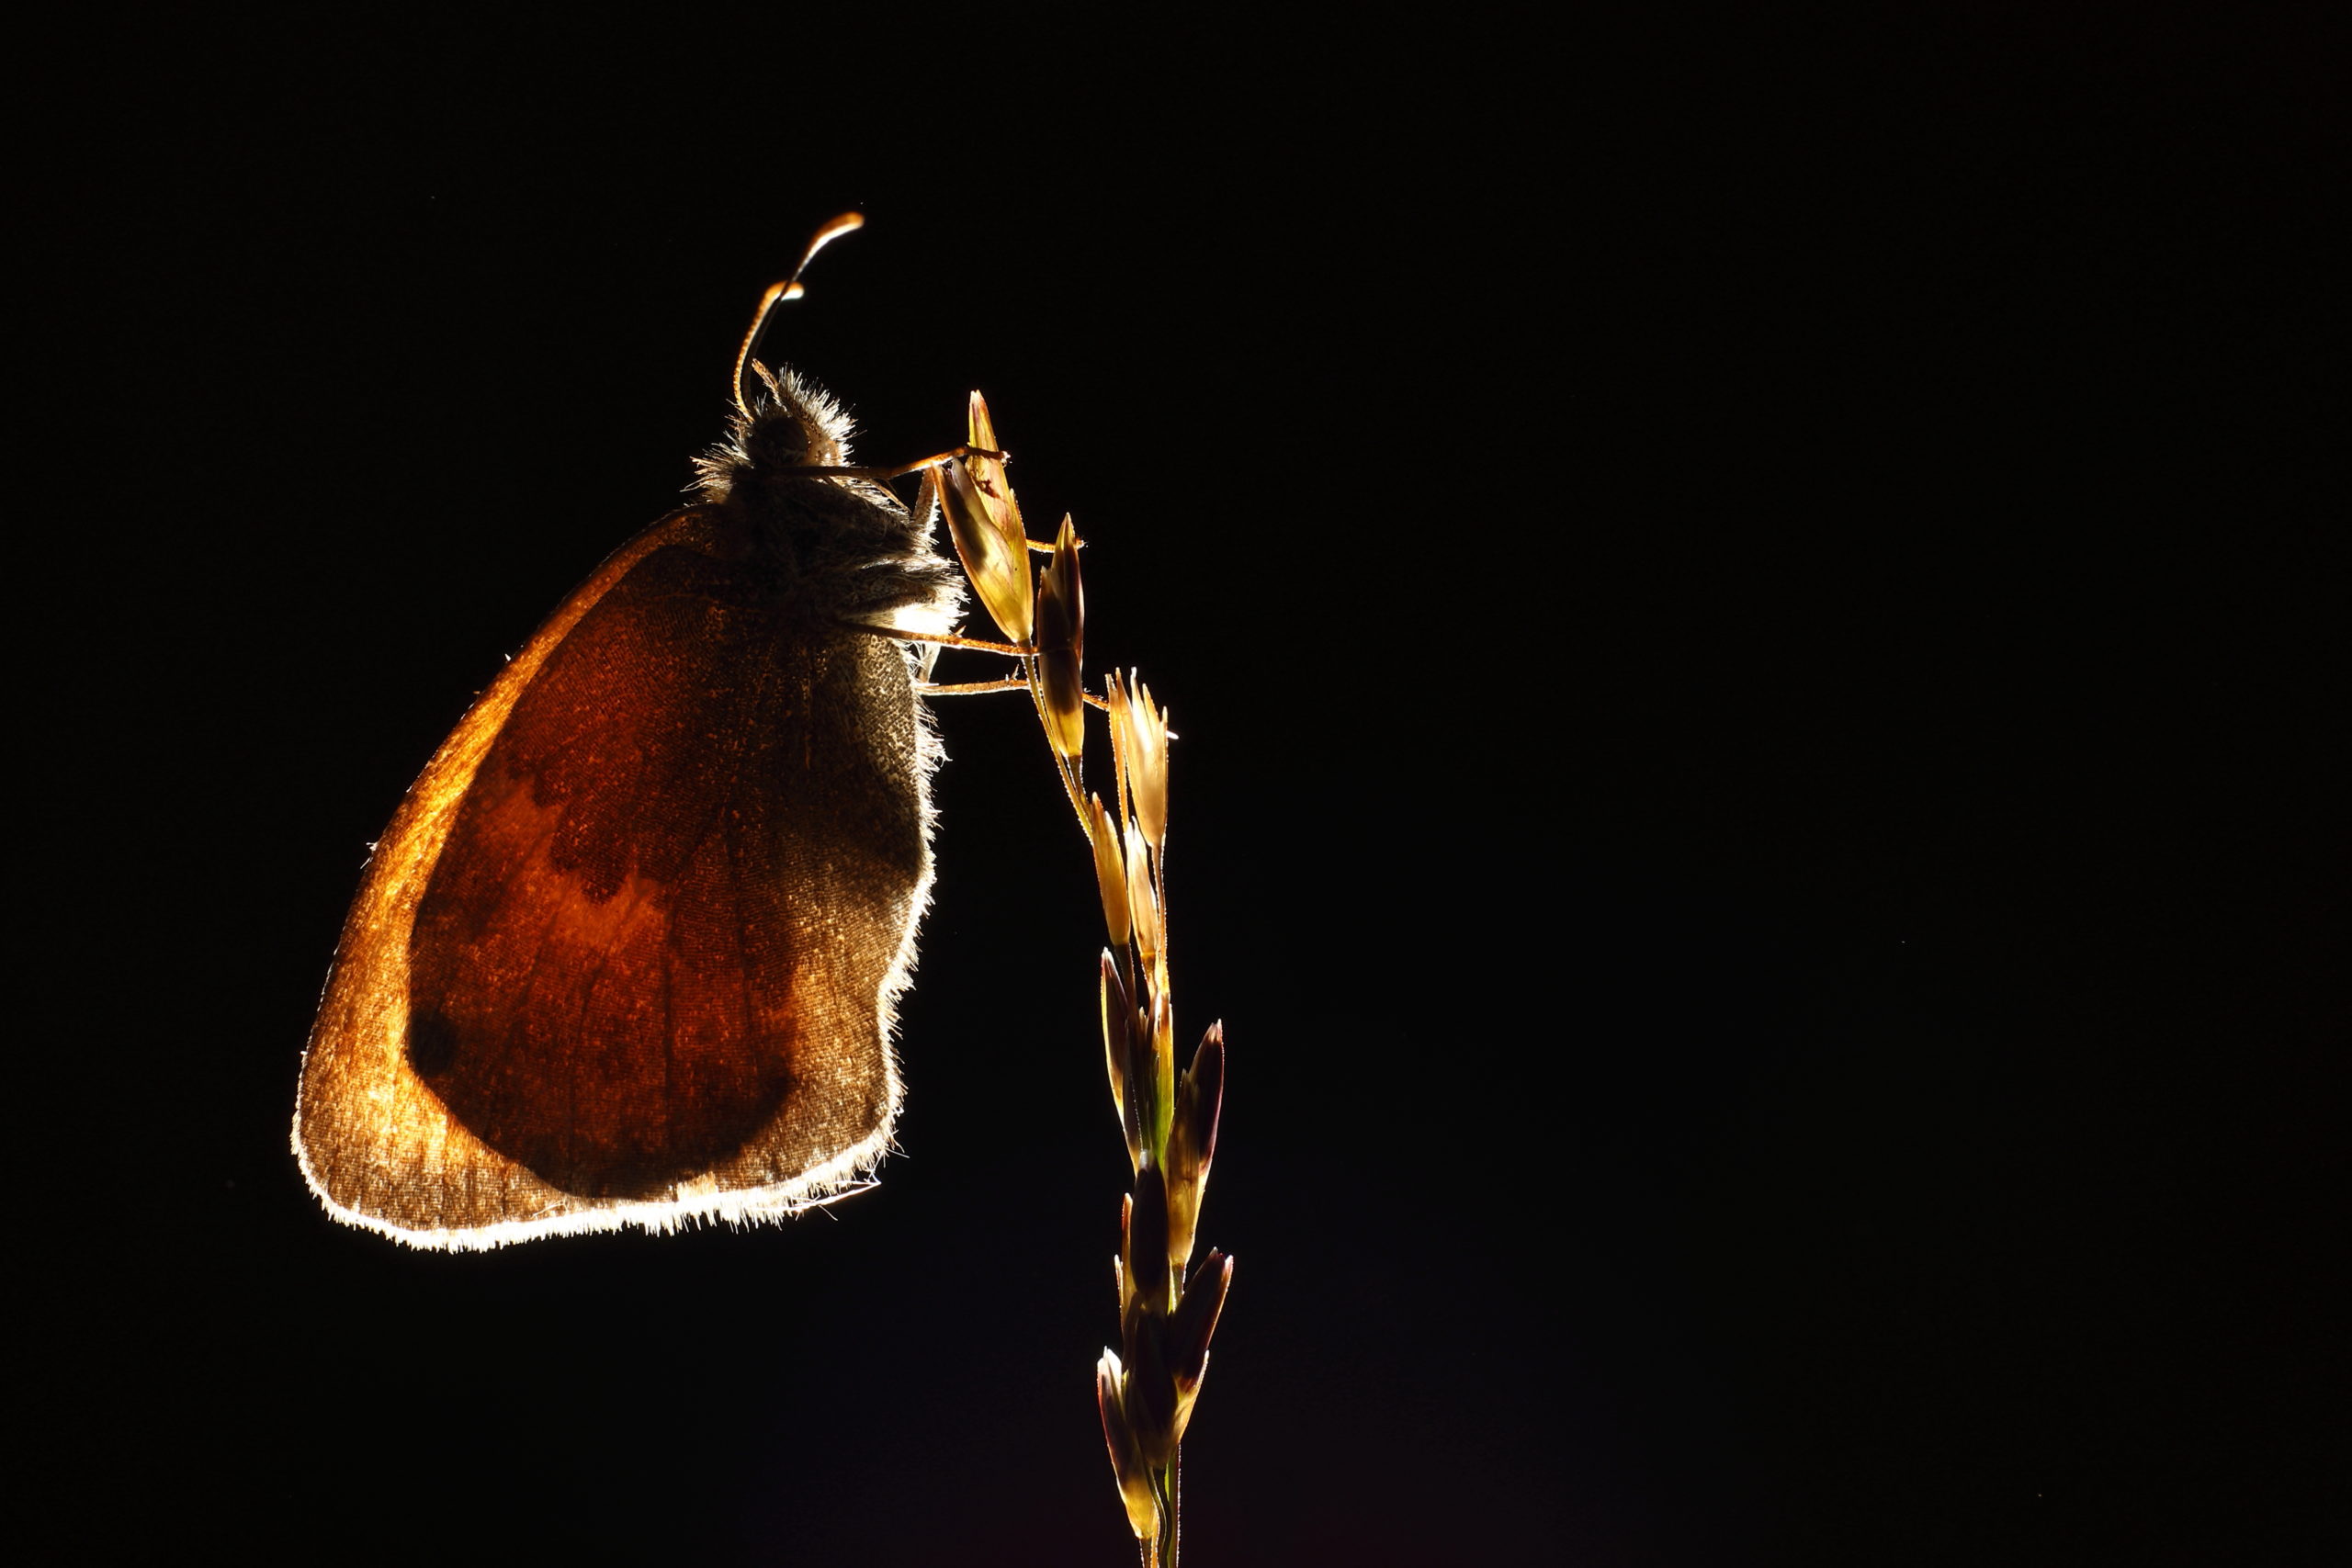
1752, 613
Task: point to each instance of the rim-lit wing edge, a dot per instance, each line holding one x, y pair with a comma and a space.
375, 1145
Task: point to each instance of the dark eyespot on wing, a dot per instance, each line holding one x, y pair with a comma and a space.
432, 1042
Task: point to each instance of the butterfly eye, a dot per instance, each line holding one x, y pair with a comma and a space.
779, 440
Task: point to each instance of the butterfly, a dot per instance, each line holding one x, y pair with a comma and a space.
629, 953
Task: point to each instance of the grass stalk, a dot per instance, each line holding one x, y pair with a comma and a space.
1167, 1309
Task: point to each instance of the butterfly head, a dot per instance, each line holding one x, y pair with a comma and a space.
793, 425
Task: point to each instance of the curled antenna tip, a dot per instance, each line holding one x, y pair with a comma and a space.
831, 229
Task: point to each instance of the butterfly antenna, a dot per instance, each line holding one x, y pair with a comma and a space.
833, 229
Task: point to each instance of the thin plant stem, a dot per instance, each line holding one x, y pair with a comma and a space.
1167, 1309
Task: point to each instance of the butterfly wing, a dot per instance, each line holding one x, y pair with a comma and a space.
627, 952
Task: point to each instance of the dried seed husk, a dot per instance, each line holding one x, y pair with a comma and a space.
1141, 1107
1142, 898
1126, 1454
1146, 762
1148, 1239
1119, 1053
1150, 1391
1110, 871
984, 522
1191, 1141
1193, 1323
1061, 641
1206, 1076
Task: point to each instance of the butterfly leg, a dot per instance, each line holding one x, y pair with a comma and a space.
966, 688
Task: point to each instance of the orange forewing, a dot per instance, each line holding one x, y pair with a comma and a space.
628, 950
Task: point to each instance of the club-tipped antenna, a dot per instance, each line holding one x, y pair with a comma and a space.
831, 229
